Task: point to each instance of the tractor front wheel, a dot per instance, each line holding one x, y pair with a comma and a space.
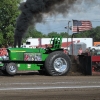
57, 64
11, 69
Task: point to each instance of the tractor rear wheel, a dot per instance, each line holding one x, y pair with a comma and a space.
57, 64
11, 69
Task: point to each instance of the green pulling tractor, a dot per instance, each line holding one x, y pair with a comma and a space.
51, 60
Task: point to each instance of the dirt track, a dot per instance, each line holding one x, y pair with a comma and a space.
29, 86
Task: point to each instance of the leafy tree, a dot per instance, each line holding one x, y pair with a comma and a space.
1, 39
8, 14
37, 34
32, 32
45, 36
50, 35
64, 35
97, 34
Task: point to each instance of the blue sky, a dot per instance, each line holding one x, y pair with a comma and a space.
82, 10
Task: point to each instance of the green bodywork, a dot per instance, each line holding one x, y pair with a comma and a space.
1, 64
18, 54
28, 55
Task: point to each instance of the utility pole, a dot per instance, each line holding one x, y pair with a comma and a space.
67, 32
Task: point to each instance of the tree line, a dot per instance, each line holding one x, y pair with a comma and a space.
9, 13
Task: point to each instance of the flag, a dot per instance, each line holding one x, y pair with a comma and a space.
81, 25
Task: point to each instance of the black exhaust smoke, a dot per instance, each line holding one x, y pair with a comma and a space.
32, 12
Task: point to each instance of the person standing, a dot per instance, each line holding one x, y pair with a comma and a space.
80, 51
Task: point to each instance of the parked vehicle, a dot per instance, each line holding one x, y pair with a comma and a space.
97, 47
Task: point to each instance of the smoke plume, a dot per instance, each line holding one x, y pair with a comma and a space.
32, 12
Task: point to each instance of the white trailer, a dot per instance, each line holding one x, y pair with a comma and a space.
33, 42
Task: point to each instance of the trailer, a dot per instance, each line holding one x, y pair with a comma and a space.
50, 60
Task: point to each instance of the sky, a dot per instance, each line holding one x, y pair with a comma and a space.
81, 10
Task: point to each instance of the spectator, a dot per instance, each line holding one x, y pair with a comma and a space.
87, 51
80, 51
66, 51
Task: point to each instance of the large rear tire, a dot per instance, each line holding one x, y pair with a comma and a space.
11, 69
57, 64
